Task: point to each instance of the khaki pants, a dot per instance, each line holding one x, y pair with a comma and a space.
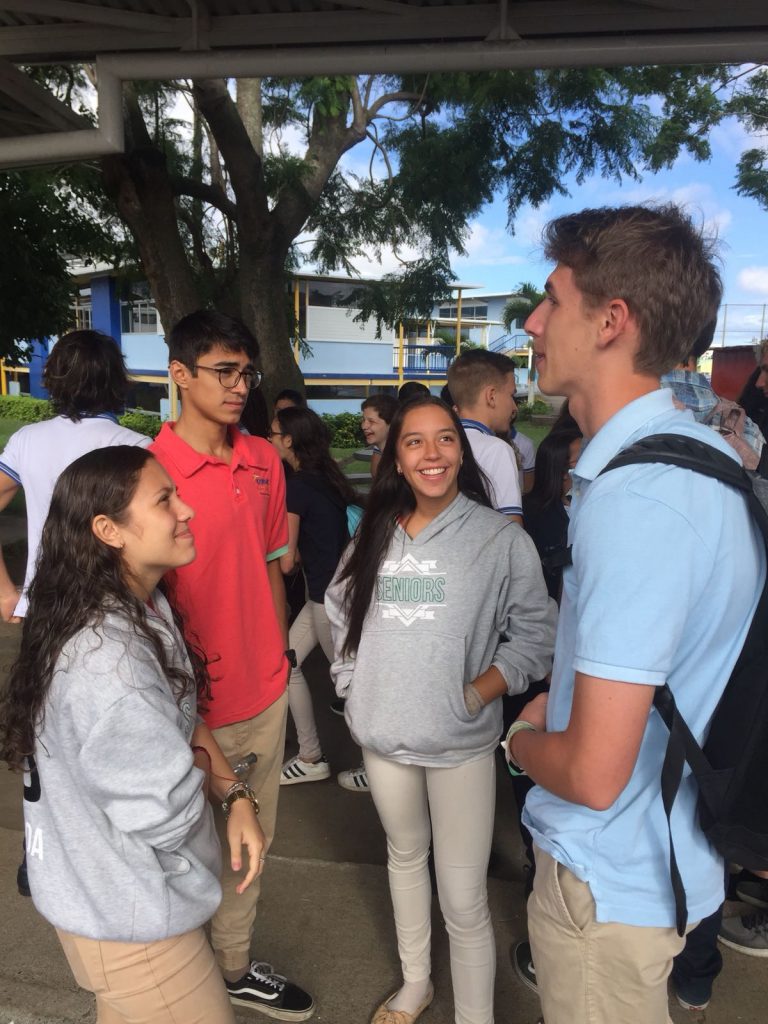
175, 981
264, 735
590, 973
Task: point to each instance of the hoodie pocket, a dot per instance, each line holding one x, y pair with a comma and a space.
407, 692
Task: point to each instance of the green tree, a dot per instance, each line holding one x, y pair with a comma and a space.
750, 104
526, 298
43, 221
219, 217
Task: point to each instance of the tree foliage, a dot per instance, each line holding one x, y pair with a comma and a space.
266, 174
750, 104
525, 299
42, 222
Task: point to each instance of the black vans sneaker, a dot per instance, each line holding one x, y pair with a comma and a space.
271, 993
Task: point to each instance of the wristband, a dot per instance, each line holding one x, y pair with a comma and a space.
519, 726
473, 702
238, 791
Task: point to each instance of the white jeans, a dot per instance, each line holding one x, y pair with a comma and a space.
309, 629
460, 802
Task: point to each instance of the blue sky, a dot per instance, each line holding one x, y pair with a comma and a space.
498, 261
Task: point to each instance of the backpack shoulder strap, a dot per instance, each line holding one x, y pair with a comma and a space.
690, 453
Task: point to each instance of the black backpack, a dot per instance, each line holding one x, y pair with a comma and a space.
732, 768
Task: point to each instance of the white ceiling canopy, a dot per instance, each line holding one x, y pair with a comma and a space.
166, 39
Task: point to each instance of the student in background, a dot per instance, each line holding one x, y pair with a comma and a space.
482, 385
289, 398
377, 411
317, 496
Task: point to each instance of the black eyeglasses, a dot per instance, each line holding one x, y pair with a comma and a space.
275, 433
230, 376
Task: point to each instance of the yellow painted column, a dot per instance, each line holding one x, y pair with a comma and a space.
3, 378
400, 355
458, 324
173, 395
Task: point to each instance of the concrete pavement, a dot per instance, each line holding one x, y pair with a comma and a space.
325, 916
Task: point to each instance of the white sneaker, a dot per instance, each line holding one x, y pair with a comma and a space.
295, 770
354, 779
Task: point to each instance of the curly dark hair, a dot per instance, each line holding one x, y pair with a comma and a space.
85, 375
391, 497
78, 580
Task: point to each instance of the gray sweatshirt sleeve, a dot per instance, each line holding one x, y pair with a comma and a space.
342, 668
139, 769
526, 617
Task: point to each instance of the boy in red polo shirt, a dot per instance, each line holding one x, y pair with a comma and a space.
232, 598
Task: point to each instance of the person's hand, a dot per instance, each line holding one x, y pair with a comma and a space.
8, 604
535, 712
243, 829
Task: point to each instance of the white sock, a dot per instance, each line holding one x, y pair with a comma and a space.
411, 996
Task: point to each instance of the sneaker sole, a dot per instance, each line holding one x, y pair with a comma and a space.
520, 974
693, 1007
304, 778
273, 1011
355, 789
762, 953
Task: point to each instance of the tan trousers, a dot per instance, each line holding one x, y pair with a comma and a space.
174, 981
590, 973
264, 735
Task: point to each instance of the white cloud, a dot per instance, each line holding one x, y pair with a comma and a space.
754, 279
487, 247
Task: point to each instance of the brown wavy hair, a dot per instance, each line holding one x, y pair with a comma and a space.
78, 580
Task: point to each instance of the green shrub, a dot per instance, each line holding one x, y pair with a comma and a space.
345, 429
534, 408
25, 409
142, 422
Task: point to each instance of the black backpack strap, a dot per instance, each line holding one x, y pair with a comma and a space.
687, 453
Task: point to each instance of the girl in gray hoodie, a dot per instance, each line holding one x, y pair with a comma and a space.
101, 713
437, 609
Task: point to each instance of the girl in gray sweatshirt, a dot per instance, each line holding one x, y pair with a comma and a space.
101, 712
438, 608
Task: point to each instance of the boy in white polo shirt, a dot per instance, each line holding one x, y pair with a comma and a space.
87, 383
667, 570
482, 385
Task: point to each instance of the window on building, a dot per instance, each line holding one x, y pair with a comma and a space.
468, 312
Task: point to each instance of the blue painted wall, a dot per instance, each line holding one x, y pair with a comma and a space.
364, 359
105, 307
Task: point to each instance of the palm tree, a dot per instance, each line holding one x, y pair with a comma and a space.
526, 298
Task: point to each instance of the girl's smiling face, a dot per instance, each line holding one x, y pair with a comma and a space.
374, 428
429, 456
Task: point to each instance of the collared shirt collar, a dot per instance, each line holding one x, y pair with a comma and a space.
622, 429
692, 389
189, 460
476, 425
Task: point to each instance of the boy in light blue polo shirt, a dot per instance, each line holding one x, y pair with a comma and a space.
667, 570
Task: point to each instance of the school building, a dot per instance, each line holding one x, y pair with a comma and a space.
340, 355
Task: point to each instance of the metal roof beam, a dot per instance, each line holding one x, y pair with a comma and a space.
72, 11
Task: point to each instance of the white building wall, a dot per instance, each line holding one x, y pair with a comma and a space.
332, 323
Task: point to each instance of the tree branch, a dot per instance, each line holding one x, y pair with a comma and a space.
395, 97
243, 163
207, 193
